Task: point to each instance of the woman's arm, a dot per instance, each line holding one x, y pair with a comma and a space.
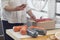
9, 8
31, 15
18, 8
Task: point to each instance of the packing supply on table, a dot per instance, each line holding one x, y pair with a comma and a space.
23, 30
33, 32
40, 30
17, 28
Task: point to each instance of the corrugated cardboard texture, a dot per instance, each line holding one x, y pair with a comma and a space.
46, 24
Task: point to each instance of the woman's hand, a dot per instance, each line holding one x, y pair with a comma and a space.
20, 8
32, 16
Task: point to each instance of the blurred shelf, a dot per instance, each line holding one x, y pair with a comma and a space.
57, 0
57, 25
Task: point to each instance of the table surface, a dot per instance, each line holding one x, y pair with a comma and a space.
18, 36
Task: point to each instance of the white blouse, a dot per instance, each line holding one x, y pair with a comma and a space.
15, 16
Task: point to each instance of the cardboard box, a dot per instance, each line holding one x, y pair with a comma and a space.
50, 24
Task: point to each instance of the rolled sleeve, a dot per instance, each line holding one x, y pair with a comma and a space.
5, 3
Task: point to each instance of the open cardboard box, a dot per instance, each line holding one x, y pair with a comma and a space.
48, 24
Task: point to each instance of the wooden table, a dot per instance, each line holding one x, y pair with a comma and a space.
18, 36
